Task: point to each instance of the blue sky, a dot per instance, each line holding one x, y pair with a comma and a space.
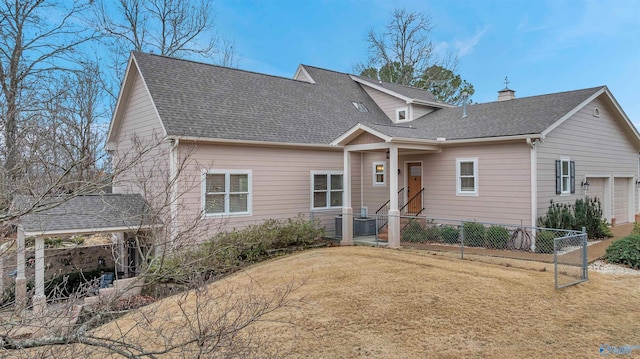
543, 46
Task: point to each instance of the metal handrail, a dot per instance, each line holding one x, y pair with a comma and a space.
382, 212
409, 202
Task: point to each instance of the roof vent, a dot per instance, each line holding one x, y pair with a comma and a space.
506, 93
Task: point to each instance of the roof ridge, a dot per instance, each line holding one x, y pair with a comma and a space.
218, 66
594, 89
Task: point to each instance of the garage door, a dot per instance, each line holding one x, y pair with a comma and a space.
621, 200
596, 189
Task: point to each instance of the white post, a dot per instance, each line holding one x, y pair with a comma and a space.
21, 280
394, 212
347, 210
39, 299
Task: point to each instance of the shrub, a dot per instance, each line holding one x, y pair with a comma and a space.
497, 237
585, 213
227, 252
544, 241
625, 251
432, 234
449, 234
473, 234
413, 232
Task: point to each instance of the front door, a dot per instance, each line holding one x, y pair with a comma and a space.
414, 185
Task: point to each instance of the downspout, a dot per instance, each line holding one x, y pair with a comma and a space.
534, 189
361, 181
173, 188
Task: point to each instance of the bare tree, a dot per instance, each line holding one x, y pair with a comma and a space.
404, 53
207, 319
175, 28
33, 51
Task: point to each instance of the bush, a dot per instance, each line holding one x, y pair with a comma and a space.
413, 232
497, 237
625, 251
227, 252
449, 234
432, 234
473, 234
585, 213
544, 241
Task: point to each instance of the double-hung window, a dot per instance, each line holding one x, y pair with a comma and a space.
379, 174
326, 189
227, 192
467, 176
565, 176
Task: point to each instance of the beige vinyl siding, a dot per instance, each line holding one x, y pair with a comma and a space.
387, 103
419, 111
374, 196
140, 121
365, 138
598, 146
281, 179
504, 184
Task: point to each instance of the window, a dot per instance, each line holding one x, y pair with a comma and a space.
401, 114
227, 192
379, 174
565, 176
360, 106
326, 189
467, 176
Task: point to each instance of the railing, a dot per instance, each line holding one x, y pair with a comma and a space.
413, 206
383, 212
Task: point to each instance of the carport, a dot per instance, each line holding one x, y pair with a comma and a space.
122, 215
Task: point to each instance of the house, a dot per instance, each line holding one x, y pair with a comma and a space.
244, 147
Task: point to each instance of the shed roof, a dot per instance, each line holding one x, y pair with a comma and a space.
84, 214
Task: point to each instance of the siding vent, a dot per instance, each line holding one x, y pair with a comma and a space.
596, 112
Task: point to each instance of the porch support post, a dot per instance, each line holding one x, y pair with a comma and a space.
347, 211
39, 299
394, 212
21, 280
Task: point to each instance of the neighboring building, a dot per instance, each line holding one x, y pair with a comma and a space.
262, 146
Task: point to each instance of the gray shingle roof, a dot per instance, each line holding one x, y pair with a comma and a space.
207, 101
201, 100
85, 212
408, 91
520, 116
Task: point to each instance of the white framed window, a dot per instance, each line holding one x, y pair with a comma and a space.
402, 114
226, 192
467, 176
565, 176
326, 189
379, 173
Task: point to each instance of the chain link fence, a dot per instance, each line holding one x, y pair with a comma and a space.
565, 248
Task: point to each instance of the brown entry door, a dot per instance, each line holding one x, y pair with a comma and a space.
414, 185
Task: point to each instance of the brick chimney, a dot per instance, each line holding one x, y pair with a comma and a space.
506, 93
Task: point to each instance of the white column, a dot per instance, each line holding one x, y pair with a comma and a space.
39, 299
347, 210
394, 212
21, 280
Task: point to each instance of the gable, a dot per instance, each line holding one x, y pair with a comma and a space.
365, 138
135, 111
387, 103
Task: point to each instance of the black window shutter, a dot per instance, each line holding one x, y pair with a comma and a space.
558, 177
572, 173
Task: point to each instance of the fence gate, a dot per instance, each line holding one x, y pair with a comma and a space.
570, 259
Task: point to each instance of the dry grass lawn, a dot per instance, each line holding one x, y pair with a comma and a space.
381, 303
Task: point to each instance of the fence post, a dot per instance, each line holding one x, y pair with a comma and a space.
585, 260
377, 243
462, 240
555, 262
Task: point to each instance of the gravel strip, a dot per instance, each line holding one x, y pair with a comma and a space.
607, 268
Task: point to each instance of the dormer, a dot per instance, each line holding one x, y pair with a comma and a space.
400, 103
303, 75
